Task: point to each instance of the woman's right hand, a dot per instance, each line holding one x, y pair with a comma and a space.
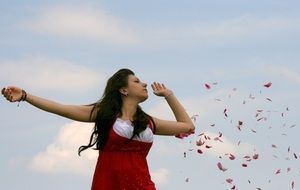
12, 93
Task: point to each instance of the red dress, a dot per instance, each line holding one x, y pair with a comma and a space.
122, 164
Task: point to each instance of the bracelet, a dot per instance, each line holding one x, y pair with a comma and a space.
24, 96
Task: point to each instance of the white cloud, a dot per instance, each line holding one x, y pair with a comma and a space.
232, 30
42, 73
160, 176
244, 26
61, 156
83, 22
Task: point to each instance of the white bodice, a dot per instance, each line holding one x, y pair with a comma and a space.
124, 128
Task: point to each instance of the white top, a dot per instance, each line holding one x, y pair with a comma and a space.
124, 128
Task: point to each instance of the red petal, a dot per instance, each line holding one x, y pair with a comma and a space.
255, 156
229, 180
208, 146
268, 85
207, 86
231, 157
200, 151
293, 184
200, 143
221, 167
269, 99
244, 165
277, 172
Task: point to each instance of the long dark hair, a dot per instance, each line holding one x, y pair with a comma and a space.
108, 108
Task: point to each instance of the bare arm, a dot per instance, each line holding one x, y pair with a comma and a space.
183, 123
74, 112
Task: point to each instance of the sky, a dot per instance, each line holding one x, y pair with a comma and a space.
218, 58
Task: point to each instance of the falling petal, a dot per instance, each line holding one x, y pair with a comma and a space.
218, 139
239, 143
293, 184
255, 156
200, 143
295, 156
231, 157
225, 110
229, 180
274, 146
220, 134
207, 86
220, 166
293, 126
208, 146
278, 171
212, 125
288, 169
268, 85
253, 130
269, 99
200, 151
244, 165
251, 97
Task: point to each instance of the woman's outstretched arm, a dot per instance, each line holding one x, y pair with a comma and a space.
74, 112
183, 123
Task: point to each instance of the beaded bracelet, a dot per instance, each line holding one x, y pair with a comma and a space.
24, 96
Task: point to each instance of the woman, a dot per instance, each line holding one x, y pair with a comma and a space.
123, 132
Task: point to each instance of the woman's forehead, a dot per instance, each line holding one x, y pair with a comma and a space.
132, 77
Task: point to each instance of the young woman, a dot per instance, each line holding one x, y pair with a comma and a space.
123, 132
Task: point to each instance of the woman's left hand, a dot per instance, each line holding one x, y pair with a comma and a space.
160, 89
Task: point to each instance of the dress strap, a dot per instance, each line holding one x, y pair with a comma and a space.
152, 125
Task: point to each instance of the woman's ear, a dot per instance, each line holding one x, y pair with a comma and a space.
123, 91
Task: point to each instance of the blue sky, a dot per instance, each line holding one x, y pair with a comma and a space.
66, 50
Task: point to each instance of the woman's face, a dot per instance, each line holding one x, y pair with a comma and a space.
136, 88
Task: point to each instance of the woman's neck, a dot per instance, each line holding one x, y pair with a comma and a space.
128, 110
